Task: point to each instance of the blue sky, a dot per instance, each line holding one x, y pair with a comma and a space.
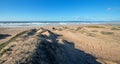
59, 10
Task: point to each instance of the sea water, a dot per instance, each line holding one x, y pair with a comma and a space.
47, 23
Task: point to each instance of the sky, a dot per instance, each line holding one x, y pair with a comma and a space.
59, 10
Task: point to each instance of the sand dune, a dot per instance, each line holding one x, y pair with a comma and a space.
89, 44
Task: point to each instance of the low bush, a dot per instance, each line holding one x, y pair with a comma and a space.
106, 33
115, 28
95, 27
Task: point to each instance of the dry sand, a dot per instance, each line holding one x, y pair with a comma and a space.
94, 44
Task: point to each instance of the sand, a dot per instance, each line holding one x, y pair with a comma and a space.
100, 41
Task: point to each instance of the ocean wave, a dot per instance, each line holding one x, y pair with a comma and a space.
30, 24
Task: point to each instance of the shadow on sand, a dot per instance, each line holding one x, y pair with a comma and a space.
59, 53
3, 36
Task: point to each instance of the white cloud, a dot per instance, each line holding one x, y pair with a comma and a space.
109, 9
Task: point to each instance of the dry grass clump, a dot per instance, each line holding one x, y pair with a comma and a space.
115, 28
82, 31
71, 29
7, 51
78, 28
95, 27
53, 28
65, 27
60, 29
91, 34
12, 39
106, 33
94, 31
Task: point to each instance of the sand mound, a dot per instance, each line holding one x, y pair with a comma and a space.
63, 45
33, 48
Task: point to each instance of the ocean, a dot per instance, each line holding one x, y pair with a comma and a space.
48, 23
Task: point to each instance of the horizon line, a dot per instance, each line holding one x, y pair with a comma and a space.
52, 20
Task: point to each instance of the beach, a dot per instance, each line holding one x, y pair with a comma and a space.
88, 43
